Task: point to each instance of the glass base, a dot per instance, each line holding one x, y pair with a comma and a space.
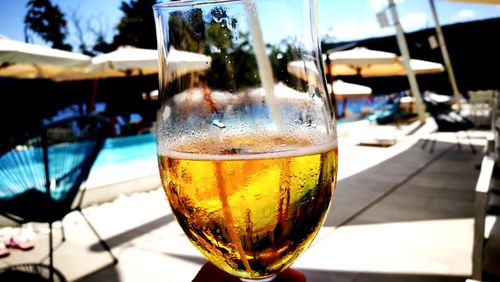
268, 279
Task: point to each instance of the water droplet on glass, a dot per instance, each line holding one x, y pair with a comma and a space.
166, 113
231, 24
313, 90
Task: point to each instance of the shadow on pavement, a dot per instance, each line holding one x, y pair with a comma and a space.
129, 235
106, 273
414, 175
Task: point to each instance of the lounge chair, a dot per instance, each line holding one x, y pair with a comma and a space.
482, 106
41, 173
447, 120
388, 112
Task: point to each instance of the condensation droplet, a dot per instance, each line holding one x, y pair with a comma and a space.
166, 113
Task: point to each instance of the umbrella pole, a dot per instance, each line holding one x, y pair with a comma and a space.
446, 56
329, 80
403, 47
94, 94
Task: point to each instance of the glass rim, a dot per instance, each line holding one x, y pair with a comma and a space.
191, 3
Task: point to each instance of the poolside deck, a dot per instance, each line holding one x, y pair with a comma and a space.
399, 214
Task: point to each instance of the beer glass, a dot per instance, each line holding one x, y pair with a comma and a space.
246, 138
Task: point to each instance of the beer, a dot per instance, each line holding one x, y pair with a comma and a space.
250, 204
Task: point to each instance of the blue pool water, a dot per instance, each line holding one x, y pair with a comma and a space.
125, 149
357, 105
124, 158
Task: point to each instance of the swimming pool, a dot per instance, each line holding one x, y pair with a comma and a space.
357, 106
124, 158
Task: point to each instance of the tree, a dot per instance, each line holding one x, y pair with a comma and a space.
101, 46
137, 26
232, 54
187, 30
46, 20
89, 34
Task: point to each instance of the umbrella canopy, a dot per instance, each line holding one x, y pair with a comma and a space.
124, 61
307, 71
370, 63
130, 60
345, 90
361, 56
182, 62
24, 60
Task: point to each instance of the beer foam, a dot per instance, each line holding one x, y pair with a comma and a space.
234, 152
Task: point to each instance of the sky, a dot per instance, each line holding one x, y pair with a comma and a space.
339, 20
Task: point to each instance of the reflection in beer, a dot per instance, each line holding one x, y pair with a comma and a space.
251, 213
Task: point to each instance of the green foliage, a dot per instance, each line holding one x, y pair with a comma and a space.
187, 31
231, 52
233, 58
137, 26
101, 46
280, 55
46, 20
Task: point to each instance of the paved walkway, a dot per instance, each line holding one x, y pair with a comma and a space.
399, 214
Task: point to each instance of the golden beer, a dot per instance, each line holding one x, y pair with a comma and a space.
250, 204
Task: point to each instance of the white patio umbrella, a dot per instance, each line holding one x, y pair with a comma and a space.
182, 62
392, 69
371, 63
307, 71
125, 61
340, 90
24, 60
361, 57
345, 90
130, 60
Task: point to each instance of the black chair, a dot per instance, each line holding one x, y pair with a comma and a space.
447, 120
31, 273
41, 173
